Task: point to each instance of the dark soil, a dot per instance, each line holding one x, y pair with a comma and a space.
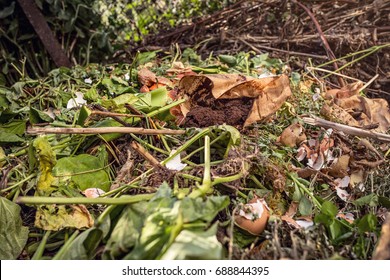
232, 112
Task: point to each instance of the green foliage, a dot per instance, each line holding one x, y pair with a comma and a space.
13, 235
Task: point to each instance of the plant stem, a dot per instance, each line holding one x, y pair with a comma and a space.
63, 249
41, 248
206, 186
84, 200
19, 183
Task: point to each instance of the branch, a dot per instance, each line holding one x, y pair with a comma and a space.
347, 129
101, 130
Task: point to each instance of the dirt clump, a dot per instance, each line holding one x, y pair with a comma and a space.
229, 111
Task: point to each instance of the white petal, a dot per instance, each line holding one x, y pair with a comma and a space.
76, 102
305, 224
88, 81
175, 163
343, 194
93, 192
127, 76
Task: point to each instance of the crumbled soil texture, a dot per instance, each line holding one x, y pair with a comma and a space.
229, 111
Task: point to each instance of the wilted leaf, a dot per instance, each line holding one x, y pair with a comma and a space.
47, 159
13, 236
268, 94
371, 111
195, 245
84, 170
292, 135
57, 217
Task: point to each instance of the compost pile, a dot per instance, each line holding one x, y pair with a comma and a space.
233, 155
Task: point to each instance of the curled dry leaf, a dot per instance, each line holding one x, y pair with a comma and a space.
293, 135
253, 217
266, 95
355, 110
339, 168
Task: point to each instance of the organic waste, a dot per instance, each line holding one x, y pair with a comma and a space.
166, 159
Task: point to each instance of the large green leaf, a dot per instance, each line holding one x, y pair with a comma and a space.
7, 137
16, 127
190, 245
126, 232
13, 236
84, 170
202, 210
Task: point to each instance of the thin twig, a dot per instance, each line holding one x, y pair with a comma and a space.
323, 39
101, 130
347, 129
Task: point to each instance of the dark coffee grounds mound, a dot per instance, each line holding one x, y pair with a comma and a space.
230, 111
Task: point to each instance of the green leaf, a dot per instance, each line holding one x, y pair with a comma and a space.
7, 137
228, 59
305, 206
329, 209
84, 246
297, 195
7, 11
384, 201
370, 200
16, 127
84, 170
37, 116
195, 245
91, 95
368, 223
145, 57
126, 232
13, 236
199, 210
85, 112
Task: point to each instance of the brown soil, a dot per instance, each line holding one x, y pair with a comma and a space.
232, 112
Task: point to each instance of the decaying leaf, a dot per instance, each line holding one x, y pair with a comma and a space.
57, 217
47, 160
265, 96
361, 110
293, 135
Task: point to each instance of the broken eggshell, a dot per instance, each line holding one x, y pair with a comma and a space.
253, 217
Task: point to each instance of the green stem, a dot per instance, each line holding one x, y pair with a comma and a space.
19, 183
221, 180
206, 186
41, 248
307, 191
84, 200
64, 248
166, 107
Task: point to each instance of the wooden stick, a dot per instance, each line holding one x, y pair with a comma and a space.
101, 130
38, 22
347, 129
